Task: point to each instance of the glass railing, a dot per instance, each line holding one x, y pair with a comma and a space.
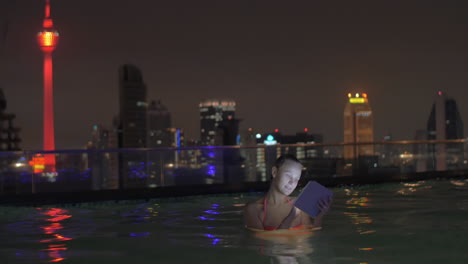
100, 169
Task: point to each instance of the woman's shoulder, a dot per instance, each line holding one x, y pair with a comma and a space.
254, 205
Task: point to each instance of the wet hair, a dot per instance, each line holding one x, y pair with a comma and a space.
283, 158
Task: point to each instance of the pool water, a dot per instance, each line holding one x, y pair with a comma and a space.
420, 222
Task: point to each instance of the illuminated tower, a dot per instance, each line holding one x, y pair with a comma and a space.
48, 39
358, 126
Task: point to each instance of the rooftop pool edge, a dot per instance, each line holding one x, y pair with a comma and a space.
146, 194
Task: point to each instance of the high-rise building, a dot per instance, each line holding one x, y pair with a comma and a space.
159, 123
132, 128
388, 154
133, 106
277, 144
444, 123
212, 114
420, 151
358, 126
102, 162
249, 153
9, 134
305, 137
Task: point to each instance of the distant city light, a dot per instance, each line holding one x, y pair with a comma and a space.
51, 176
270, 140
38, 163
406, 155
306, 129
258, 135
20, 163
211, 170
276, 130
358, 100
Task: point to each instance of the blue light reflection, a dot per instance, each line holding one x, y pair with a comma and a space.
211, 212
139, 234
205, 218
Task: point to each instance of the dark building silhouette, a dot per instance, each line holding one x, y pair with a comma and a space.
227, 135
420, 151
452, 123
102, 161
9, 134
301, 152
266, 157
132, 115
445, 122
212, 114
159, 134
159, 124
132, 128
249, 154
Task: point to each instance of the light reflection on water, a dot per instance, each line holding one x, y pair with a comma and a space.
364, 225
56, 243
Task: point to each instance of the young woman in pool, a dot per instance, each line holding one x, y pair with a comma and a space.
275, 211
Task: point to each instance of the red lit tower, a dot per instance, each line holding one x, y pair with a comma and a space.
48, 38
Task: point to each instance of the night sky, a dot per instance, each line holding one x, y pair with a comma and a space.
287, 64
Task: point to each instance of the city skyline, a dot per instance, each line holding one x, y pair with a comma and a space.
285, 66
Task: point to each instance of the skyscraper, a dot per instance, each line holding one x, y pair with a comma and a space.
159, 123
103, 164
212, 114
358, 126
132, 127
133, 106
9, 134
444, 123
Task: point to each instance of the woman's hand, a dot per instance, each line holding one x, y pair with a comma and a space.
324, 205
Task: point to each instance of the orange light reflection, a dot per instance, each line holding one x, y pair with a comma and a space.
52, 228
57, 215
359, 219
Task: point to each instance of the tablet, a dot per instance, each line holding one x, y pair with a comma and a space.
308, 199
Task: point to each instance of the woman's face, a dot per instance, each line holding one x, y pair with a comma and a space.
287, 176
